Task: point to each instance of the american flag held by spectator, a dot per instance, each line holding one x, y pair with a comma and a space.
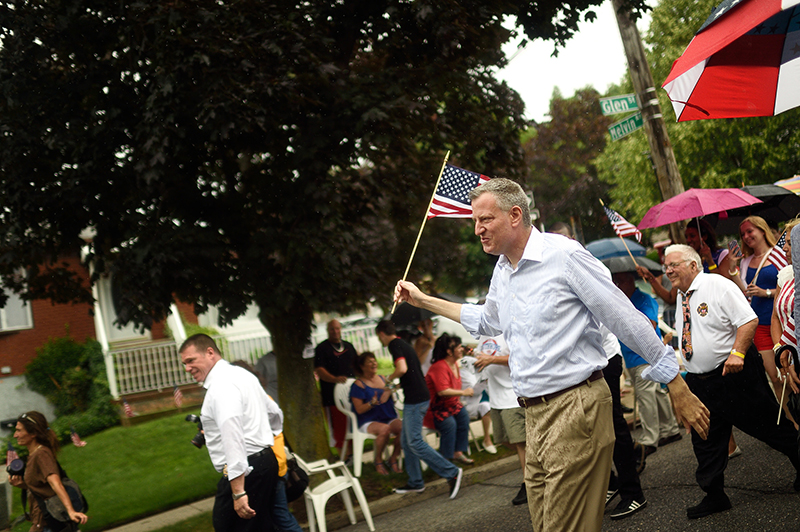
127, 408
76, 440
451, 199
622, 226
777, 256
11, 453
177, 395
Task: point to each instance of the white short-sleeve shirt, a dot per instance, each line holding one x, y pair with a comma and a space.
717, 308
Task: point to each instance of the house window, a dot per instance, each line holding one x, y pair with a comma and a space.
16, 314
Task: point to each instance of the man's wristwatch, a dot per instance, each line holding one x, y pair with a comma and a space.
237, 496
769, 292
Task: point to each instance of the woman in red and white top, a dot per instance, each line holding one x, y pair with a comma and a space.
782, 326
446, 413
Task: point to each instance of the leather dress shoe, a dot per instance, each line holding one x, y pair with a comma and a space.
709, 505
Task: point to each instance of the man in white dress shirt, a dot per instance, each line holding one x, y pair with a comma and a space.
548, 297
239, 436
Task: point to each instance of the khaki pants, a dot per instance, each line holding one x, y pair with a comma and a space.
569, 447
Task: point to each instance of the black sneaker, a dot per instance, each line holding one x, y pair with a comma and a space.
709, 505
626, 508
455, 483
409, 489
522, 496
610, 494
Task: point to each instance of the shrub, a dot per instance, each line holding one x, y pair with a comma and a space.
72, 376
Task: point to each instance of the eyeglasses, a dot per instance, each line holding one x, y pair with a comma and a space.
673, 265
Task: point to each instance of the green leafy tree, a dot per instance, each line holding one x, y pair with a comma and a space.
710, 153
560, 155
228, 153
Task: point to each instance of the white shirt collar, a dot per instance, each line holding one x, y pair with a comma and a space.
532, 251
219, 364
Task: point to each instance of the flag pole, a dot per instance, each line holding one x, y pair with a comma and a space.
424, 219
623, 242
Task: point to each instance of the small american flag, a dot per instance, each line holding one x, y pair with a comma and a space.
11, 454
177, 395
622, 226
451, 199
76, 440
777, 256
127, 408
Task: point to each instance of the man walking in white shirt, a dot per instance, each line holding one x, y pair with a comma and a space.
547, 297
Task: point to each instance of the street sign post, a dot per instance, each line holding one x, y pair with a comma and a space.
626, 126
618, 104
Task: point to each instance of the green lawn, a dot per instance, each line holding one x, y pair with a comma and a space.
129, 473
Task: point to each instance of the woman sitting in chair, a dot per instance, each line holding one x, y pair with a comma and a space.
375, 411
446, 412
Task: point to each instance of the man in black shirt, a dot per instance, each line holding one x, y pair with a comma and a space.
415, 404
333, 364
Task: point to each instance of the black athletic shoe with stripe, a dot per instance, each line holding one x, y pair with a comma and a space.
626, 508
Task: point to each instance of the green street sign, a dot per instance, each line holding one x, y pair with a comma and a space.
618, 104
626, 126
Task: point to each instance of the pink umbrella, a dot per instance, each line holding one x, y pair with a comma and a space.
696, 202
744, 61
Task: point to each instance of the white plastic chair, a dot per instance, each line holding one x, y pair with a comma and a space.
317, 497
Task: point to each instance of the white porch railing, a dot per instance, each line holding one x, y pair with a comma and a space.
157, 366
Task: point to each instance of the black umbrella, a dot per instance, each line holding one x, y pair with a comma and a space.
626, 264
779, 205
406, 314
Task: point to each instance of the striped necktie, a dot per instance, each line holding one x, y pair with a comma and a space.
686, 335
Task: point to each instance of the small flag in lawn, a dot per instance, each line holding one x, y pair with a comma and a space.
777, 256
177, 395
11, 453
76, 440
622, 226
451, 199
127, 408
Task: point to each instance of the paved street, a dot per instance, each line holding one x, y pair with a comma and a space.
759, 484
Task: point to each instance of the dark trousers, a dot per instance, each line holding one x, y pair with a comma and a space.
624, 458
260, 488
743, 400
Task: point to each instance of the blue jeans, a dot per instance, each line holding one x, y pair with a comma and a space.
416, 448
454, 433
282, 518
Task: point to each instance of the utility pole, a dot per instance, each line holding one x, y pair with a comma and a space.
669, 179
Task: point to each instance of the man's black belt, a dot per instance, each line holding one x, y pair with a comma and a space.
530, 401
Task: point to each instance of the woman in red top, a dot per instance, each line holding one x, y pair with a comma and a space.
446, 412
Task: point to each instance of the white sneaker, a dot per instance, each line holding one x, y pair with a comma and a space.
491, 449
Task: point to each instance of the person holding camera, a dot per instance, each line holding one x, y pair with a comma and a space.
239, 437
41, 475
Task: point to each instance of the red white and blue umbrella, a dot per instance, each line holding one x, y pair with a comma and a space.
744, 61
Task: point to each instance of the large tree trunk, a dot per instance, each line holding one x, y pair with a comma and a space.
298, 396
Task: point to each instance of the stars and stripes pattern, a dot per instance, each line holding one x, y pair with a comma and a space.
177, 396
777, 256
76, 440
785, 308
127, 408
11, 453
451, 199
621, 226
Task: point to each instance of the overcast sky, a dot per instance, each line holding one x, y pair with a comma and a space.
594, 56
